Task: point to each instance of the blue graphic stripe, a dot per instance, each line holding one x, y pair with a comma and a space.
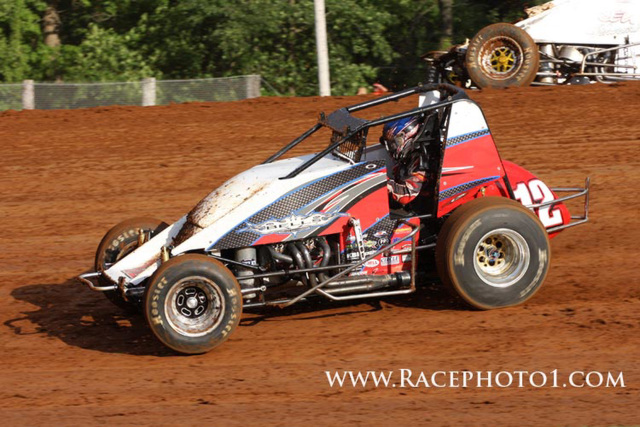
295, 190
450, 192
466, 137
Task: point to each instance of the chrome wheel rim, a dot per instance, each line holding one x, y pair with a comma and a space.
194, 306
501, 57
501, 257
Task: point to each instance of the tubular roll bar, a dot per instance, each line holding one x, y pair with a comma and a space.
293, 143
340, 120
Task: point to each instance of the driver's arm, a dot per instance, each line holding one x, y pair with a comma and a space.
404, 191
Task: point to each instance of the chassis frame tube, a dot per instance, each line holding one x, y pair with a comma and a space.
454, 94
318, 288
85, 278
611, 49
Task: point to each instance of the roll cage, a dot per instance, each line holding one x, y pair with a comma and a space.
351, 130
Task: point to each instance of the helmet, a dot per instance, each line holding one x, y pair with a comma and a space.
398, 136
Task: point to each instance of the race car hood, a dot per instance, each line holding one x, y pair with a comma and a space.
242, 196
227, 206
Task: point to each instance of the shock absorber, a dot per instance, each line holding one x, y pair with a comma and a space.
246, 256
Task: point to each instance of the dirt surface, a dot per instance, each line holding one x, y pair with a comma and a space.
67, 356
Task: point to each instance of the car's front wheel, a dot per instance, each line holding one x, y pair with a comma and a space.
493, 252
193, 303
121, 240
502, 55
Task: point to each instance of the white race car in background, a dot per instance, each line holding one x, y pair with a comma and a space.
561, 42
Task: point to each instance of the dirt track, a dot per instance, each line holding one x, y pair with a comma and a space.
67, 356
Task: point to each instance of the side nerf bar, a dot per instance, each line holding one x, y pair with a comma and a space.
578, 192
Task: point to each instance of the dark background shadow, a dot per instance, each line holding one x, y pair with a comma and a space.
85, 319
82, 318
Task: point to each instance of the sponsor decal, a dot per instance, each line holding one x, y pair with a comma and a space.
358, 273
355, 255
380, 233
391, 260
370, 244
383, 241
292, 224
405, 229
372, 263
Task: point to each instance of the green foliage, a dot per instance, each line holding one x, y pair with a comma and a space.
105, 55
20, 34
116, 40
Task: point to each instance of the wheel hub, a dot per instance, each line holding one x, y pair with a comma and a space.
501, 57
501, 257
191, 302
194, 306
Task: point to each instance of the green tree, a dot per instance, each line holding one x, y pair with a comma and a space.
114, 40
21, 49
274, 39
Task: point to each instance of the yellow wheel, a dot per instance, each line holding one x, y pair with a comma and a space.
502, 55
502, 59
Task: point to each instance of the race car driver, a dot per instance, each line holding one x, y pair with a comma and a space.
409, 172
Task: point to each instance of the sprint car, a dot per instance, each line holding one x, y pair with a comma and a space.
323, 225
561, 42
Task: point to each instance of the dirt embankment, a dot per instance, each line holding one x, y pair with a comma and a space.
68, 356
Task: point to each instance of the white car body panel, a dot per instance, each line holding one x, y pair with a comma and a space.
586, 22
466, 118
145, 257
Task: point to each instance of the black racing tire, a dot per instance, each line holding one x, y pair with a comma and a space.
502, 55
193, 303
493, 252
121, 240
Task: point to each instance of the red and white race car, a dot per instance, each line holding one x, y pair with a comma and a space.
561, 42
324, 225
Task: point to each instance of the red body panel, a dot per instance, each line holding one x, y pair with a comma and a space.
468, 167
528, 189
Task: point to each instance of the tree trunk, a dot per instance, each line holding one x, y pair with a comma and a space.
51, 25
446, 23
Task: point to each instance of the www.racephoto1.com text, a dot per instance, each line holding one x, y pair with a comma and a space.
406, 378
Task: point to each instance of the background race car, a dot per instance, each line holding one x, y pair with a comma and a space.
561, 42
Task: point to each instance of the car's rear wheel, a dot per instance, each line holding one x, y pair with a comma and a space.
193, 303
120, 241
493, 252
502, 55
